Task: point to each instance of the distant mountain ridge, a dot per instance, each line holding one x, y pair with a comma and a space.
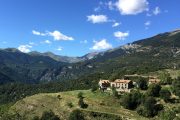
16, 66
158, 52
64, 58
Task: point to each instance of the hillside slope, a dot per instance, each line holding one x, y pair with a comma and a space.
16, 66
97, 102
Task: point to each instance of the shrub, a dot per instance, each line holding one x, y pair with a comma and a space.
49, 115
131, 100
141, 110
165, 78
168, 115
149, 108
36, 118
103, 116
176, 86
76, 115
81, 103
70, 105
154, 90
80, 95
165, 94
59, 97
142, 83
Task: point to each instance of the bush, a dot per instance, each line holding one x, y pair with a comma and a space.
142, 83
80, 95
154, 90
49, 115
103, 116
131, 100
165, 94
165, 78
167, 115
149, 108
140, 110
176, 86
59, 97
76, 115
81, 103
36, 118
70, 105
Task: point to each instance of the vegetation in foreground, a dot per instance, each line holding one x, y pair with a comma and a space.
155, 101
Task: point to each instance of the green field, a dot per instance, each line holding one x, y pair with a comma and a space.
97, 102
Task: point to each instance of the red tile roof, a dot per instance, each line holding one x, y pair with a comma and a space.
122, 81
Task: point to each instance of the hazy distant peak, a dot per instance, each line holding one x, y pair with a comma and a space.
11, 50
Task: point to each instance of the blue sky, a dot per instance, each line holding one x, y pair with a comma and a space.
77, 27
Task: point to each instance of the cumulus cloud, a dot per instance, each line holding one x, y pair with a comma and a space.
101, 45
147, 23
116, 24
132, 7
24, 48
47, 42
57, 35
121, 35
156, 11
97, 18
38, 33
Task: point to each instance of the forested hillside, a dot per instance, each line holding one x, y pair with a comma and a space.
159, 52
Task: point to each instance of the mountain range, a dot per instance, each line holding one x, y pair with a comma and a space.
158, 52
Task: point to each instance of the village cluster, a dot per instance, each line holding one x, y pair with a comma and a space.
123, 85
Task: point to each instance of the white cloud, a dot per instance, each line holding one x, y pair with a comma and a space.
132, 7
59, 36
84, 42
156, 11
24, 48
111, 5
97, 18
147, 23
116, 24
38, 33
121, 35
101, 45
47, 42
59, 48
